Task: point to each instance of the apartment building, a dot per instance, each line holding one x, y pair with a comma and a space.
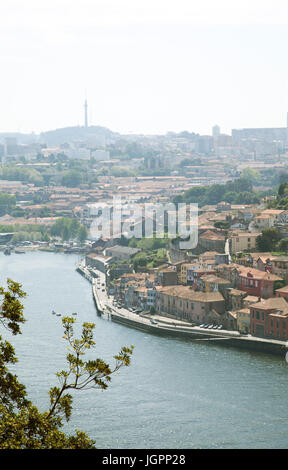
184, 303
258, 283
242, 241
269, 318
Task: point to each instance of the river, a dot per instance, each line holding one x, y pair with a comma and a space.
176, 393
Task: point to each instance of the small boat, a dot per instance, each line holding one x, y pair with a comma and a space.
75, 313
53, 312
58, 314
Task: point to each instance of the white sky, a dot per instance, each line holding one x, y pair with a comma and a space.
147, 66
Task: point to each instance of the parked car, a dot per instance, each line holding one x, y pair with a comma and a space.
220, 327
152, 320
210, 327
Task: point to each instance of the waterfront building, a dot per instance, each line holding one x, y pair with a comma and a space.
258, 283
229, 320
184, 303
196, 275
100, 263
235, 299
190, 273
228, 271
184, 272
269, 318
167, 277
213, 283
151, 297
243, 320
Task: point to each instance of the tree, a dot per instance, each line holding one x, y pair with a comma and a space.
7, 203
72, 179
283, 245
22, 425
268, 239
82, 234
251, 175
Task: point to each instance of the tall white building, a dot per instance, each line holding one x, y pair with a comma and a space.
215, 132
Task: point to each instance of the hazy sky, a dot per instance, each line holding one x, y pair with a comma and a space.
147, 66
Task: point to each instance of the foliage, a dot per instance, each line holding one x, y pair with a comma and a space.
82, 234
283, 245
72, 179
239, 191
68, 229
152, 243
153, 252
22, 425
268, 240
32, 236
27, 175
7, 203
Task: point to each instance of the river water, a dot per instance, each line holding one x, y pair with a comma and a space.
176, 394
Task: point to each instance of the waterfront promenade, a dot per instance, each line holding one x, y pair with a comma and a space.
170, 326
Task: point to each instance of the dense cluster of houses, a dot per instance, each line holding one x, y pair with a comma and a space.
250, 296
249, 293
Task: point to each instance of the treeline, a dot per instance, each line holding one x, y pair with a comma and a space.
26, 175
29, 232
8, 206
69, 229
281, 201
270, 241
239, 191
64, 228
7, 203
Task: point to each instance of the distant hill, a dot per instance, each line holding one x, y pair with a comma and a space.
78, 133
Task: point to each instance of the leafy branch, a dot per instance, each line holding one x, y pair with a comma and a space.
82, 374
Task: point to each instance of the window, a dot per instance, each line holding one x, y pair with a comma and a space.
257, 315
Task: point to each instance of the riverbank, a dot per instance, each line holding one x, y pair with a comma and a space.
51, 248
172, 327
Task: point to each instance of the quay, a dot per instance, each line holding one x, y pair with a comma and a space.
173, 327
